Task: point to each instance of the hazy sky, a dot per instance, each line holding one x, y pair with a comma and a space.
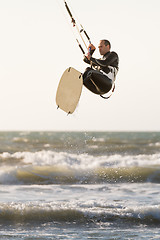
37, 45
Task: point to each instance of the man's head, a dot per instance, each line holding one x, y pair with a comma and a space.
104, 46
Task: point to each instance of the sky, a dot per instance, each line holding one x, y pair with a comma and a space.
37, 44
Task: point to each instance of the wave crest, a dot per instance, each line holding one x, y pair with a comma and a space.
48, 212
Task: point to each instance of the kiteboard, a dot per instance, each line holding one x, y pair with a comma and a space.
69, 90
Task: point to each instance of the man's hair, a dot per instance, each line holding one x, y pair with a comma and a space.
106, 42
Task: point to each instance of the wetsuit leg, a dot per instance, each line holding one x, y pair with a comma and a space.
96, 81
88, 83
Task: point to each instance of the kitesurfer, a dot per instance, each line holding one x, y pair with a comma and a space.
100, 77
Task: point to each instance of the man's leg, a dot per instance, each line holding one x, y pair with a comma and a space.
88, 82
96, 81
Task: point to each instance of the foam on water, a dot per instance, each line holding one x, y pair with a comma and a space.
77, 211
55, 181
62, 167
63, 175
82, 161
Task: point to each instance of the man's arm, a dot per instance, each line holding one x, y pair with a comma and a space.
86, 60
91, 49
105, 62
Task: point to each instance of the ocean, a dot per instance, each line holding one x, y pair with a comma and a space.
79, 185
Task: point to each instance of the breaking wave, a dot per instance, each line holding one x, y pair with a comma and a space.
91, 213
62, 175
49, 167
79, 161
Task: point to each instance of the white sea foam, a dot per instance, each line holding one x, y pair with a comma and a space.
82, 161
157, 144
18, 139
76, 210
143, 212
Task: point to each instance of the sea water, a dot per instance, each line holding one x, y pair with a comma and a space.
79, 185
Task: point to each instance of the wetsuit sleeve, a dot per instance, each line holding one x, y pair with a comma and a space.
85, 59
105, 62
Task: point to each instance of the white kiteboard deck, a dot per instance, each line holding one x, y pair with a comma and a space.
69, 90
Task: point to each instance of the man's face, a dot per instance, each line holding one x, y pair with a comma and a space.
103, 49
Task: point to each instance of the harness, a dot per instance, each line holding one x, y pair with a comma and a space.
111, 75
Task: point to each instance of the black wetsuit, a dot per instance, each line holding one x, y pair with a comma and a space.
97, 80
